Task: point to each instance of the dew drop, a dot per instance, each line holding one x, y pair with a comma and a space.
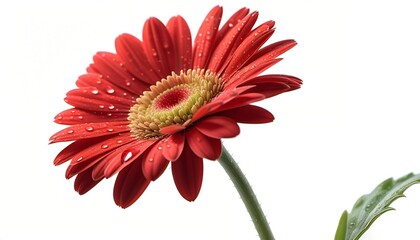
79, 159
168, 146
110, 130
59, 117
110, 90
127, 156
111, 107
70, 131
99, 82
89, 129
150, 159
119, 141
159, 148
101, 106
127, 84
73, 111
104, 146
230, 24
80, 117
109, 114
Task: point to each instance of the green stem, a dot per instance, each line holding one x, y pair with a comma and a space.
248, 196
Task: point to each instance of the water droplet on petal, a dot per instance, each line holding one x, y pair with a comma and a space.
111, 107
127, 84
127, 156
159, 148
70, 131
79, 159
101, 106
104, 146
95, 91
230, 24
110, 130
119, 141
59, 117
80, 117
110, 90
150, 159
109, 114
168, 146
89, 129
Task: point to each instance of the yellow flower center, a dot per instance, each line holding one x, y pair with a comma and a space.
171, 101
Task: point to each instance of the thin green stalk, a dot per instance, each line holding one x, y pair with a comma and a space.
248, 196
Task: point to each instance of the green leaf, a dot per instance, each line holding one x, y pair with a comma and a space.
370, 206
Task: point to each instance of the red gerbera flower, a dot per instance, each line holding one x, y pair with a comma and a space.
167, 100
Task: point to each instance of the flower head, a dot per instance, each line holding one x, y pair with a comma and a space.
168, 100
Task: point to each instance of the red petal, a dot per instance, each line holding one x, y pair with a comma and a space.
231, 22
89, 130
202, 145
247, 48
226, 96
280, 47
181, 38
171, 129
84, 182
112, 69
229, 42
173, 146
248, 114
131, 51
101, 148
218, 127
271, 85
123, 158
90, 98
188, 174
154, 163
67, 153
76, 116
129, 185
250, 71
206, 36
95, 80
158, 47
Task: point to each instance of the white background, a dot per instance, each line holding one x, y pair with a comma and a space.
353, 124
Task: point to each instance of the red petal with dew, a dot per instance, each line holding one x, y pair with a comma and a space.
129, 185
173, 146
112, 69
181, 38
187, 172
91, 99
68, 152
154, 163
89, 130
77, 116
231, 22
206, 36
131, 51
101, 85
202, 145
230, 41
247, 48
158, 47
123, 158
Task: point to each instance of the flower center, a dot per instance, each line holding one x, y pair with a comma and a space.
171, 101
